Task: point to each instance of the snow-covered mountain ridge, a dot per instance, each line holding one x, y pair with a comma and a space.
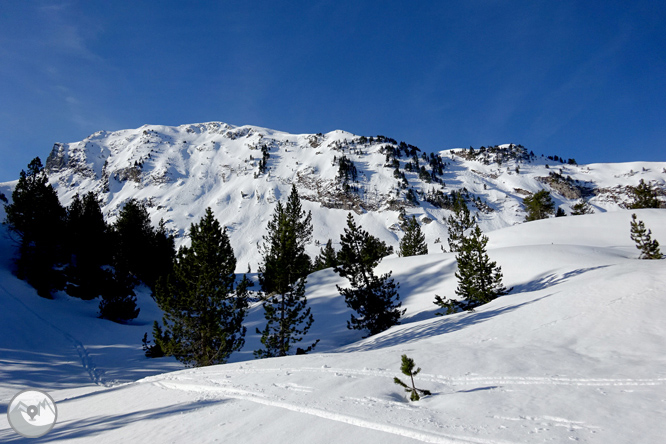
240, 172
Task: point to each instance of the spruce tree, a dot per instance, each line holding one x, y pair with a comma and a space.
648, 247
282, 276
644, 196
459, 222
374, 299
327, 257
413, 242
203, 315
118, 301
36, 217
539, 205
479, 278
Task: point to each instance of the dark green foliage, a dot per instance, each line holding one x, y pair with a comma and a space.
140, 250
374, 299
407, 369
413, 242
282, 276
118, 301
479, 279
346, 170
581, 207
539, 205
263, 162
88, 248
560, 212
648, 247
644, 196
327, 257
288, 321
38, 220
203, 315
459, 222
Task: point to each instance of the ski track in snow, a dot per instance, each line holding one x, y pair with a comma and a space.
260, 398
467, 380
86, 361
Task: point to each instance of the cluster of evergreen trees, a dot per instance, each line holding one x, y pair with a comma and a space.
74, 249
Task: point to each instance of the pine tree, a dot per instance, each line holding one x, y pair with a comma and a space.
374, 299
407, 369
649, 248
581, 207
88, 248
644, 196
479, 279
327, 257
539, 205
282, 276
203, 315
118, 301
459, 222
37, 218
413, 242
142, 251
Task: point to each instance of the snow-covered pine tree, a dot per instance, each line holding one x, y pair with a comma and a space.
282, 276
459, 222
37, 218
413, 242
374, 298
203, 315
648, 247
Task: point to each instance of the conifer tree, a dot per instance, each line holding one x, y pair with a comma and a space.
479, 278
203, 315
539, 205
327, 257
581, 207
407, 369
88, 248
374, 299
413, 242
118, 301
282, 276
37, 218
644, 196
459, 222
648, 247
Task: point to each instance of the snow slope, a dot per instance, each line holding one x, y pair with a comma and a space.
576, 352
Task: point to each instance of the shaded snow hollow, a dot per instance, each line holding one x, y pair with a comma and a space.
576, 352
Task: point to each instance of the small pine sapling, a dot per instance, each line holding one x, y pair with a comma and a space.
407, 368
643, 237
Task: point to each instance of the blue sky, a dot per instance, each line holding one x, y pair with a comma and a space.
572, 78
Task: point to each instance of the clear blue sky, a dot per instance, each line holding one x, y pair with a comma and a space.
574, 78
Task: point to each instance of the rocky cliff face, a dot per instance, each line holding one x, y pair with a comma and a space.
240, 172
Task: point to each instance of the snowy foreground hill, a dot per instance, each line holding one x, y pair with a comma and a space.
179, 171
575, 353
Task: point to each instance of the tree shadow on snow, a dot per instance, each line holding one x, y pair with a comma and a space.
548, 280
442, 325
96, 425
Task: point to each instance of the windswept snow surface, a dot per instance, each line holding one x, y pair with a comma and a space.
576, 352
